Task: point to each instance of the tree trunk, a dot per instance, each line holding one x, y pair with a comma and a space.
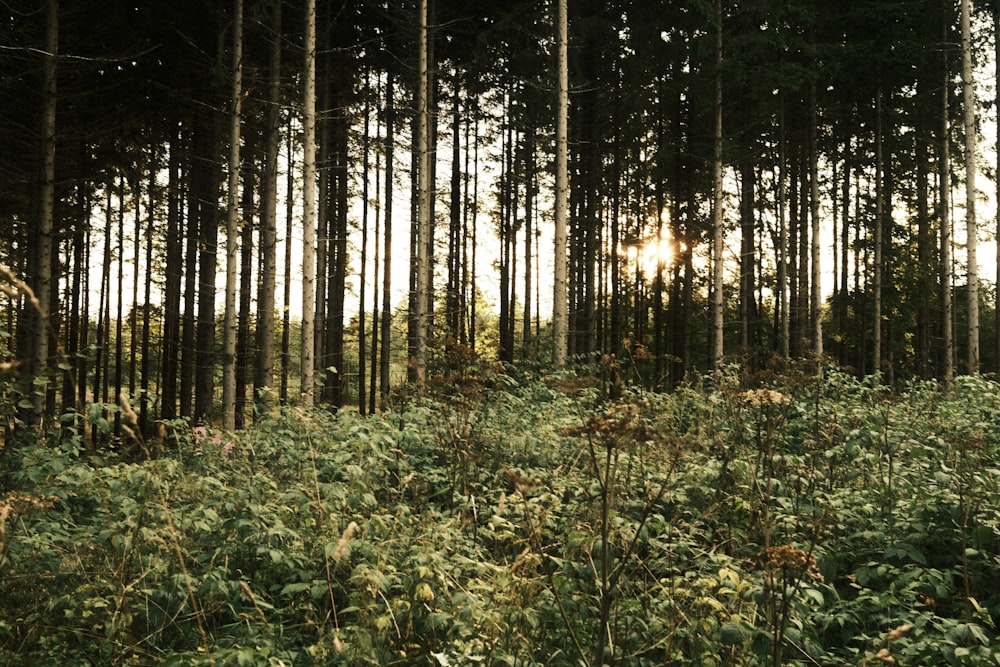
877, 269
717, 221
286, 310
173, 272
207, 195
33, 331
944, 188
390, 158
748, 280
229, 324
307, 388
244, 365
816, 306
971, 229
560, 303
423, 222
363, 273
264, 372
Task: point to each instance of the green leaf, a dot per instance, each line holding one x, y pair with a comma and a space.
732, 634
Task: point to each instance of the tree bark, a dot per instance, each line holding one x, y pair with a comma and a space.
229, 325
307, 389
560, 303
971, 228
423, 227
390, 144
944, 187
264, 372
717, 221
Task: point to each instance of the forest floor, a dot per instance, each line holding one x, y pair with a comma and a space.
511, 518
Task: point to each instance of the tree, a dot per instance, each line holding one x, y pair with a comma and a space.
421, 297
971, 228
264, 373
309, 208
33, 331
560, 315
232, 226
718, 332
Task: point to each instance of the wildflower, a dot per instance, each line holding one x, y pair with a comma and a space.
227, 448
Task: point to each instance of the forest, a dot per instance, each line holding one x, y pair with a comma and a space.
213, 206
440, 332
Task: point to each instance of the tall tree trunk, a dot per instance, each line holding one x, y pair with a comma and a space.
971, 229
286, 310
877, 268
243, 337
529, 232
229, 324
560, 303
337, 257
944, 188
173, 272
264, 372
717, 220
390, 158
207, 195
748, 280
782, 325
453, 314
144, 369
189, 320
816, 305
34, 331
423, 223
120, 306
309, 209
363, 273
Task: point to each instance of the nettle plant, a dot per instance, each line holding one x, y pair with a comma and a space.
554, 520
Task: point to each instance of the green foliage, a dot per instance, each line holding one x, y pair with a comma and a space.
511, 519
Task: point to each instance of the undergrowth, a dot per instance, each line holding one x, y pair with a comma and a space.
507, 519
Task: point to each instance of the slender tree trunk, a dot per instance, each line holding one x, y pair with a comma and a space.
34, 333
338, 258
816, 306
529, 231
560, 303
971, 229
208, 196
423, 226
453, 315
944, 188
783, 321
286, 310
229, 325
244, 365
173, 272
120, 305
390, 144
748, 279
309, 209
144, 369
717, 221
190, 260
363, 273
877, 269
264, 373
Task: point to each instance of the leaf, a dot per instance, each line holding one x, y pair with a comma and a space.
732, 634
292, 589
814, 595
